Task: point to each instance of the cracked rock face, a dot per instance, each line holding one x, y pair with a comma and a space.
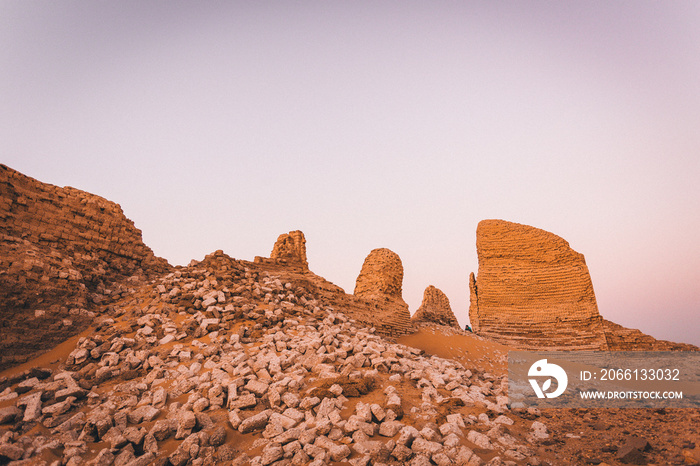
532, 290
435, 308
291, 248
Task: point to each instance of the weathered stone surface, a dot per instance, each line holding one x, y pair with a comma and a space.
11, 452
628, 339
255, 422
59, 248
379, 283
9, 414
272, 453
33, 406
290, 248
381, 275
480, 440
389, 315
532, 290
435, 308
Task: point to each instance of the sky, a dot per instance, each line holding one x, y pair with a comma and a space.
396, 124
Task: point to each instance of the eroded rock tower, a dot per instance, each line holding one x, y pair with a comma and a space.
532, 290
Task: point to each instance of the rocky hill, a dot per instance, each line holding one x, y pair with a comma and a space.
62, 252
223, 362
263, 362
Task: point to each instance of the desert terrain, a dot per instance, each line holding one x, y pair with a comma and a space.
111, 356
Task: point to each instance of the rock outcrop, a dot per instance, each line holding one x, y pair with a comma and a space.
381, 275
627, 339
435, 308
377, 302
532, 290
228, 362
62, 251
379, 284
290, 248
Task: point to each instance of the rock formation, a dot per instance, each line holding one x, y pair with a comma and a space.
222, 362
62, 251
381, 275
290, 248
379, 283
626, 339
435, 308
532, 290
227, 361
377, 300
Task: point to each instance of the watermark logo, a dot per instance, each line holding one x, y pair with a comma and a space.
542, 368
604, 379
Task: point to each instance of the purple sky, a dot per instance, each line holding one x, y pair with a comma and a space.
220, 125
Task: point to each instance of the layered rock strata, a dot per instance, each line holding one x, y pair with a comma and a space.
62, 251
626, 339
379, 284
532, 290
435, 308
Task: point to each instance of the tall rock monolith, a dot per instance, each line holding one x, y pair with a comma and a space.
532, 290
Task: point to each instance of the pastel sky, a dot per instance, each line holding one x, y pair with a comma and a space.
397, 124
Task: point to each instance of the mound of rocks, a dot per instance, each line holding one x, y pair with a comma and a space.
220, 362
435, 308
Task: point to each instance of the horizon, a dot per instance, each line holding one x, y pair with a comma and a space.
224, 125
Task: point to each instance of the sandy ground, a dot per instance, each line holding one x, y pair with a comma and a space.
467, 348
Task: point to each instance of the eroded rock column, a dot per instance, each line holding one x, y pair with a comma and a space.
532, 290
379, 283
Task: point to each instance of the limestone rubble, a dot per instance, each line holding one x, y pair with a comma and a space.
265, 363
221, 351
